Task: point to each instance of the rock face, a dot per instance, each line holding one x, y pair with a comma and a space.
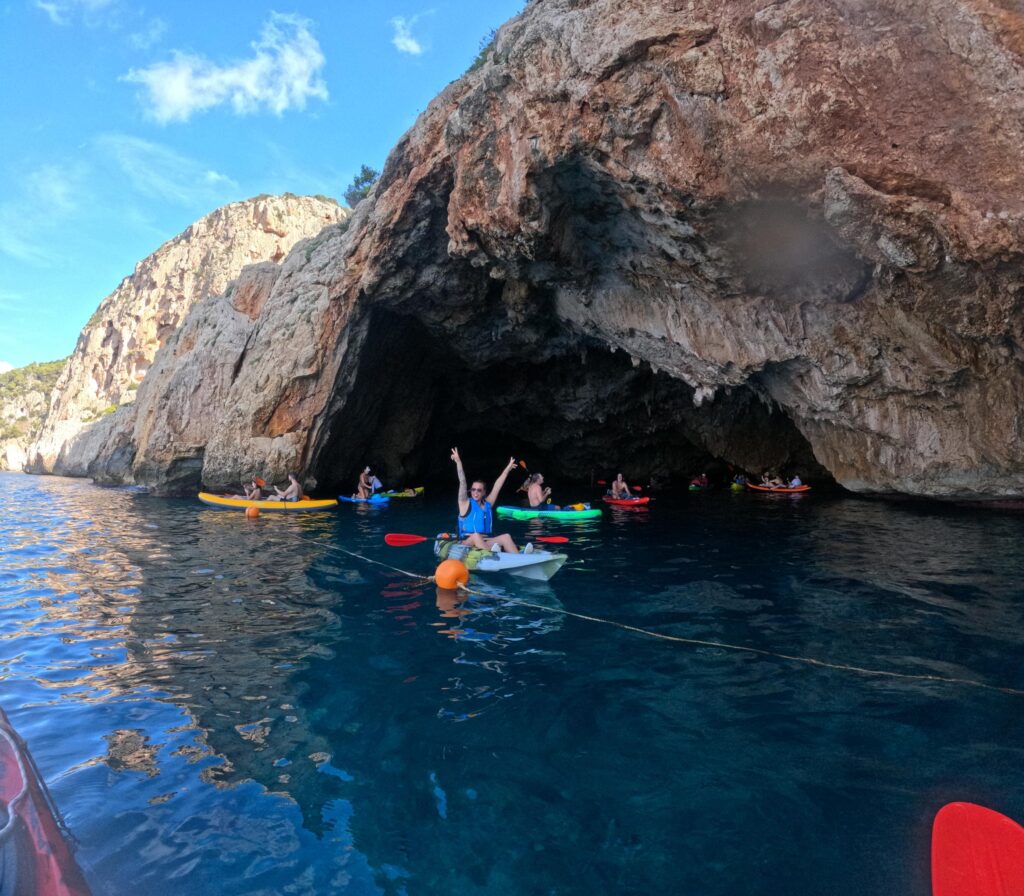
24, 399
646, 233
117, 346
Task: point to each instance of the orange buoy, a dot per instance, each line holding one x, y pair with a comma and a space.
450, 574
252, 513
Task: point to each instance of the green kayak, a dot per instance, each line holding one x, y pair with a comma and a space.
526, 513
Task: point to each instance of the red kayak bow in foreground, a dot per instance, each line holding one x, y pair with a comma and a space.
35, 859
976, 852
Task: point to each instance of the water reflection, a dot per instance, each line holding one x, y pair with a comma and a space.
228, 707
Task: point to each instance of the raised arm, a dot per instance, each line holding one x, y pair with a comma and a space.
463, 488
500, 481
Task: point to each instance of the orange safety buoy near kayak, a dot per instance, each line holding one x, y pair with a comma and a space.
450, 574
252, 513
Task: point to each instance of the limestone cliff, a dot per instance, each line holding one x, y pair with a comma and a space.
653, 230
118, 344
24, 399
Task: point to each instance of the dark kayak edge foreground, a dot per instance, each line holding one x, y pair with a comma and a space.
35, 856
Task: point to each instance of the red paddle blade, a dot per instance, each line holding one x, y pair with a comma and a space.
637, 488
602, 481
552, 539
976, 852
398, 540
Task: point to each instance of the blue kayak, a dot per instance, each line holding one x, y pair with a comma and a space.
376, 499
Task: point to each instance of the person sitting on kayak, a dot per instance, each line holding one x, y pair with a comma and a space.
619, 489
365, 488
739, 479
796, 481
292, 493
539, 495
253, 491
475, 510
770, 480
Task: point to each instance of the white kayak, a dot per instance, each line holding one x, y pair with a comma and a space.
537, 565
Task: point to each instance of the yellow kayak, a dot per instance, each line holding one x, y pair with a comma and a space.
405, 492
231, 503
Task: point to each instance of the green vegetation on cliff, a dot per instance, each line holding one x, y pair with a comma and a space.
15, 387
41, 377
361, 184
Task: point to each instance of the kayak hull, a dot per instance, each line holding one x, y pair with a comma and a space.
538, 566
524, 513
626, 502
222, 502
35, 856
779, 491
376, 499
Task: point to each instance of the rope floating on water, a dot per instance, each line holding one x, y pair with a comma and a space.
696, 642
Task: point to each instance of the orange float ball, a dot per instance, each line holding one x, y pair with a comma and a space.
450, 574
252, 513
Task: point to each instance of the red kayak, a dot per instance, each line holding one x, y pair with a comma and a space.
35, 859
780, 490
626, 502
976, 852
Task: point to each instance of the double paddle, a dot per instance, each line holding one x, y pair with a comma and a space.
636, 488
400, 540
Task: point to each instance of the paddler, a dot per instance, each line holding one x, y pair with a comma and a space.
476, 510
619, 489
538, 494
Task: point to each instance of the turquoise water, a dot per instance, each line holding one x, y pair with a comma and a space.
229, 707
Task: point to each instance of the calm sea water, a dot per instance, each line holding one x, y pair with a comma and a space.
222, 706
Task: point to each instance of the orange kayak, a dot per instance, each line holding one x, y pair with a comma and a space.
781, 490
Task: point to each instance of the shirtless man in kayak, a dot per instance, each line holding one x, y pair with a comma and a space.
537, 493
476, 512
619, 489
292, 493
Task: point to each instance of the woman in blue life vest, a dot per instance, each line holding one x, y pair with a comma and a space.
476, 515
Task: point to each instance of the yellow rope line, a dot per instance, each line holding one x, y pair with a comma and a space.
721, 645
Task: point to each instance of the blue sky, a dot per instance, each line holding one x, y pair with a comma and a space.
125, 122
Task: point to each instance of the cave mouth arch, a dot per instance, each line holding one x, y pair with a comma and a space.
577, 412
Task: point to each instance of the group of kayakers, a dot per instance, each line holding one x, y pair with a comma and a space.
476, 502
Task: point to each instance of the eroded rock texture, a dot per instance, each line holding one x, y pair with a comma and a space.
644, 231
117, 346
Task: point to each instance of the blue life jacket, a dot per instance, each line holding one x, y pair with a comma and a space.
478, 519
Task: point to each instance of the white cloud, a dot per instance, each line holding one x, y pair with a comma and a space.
161, 173
150, 34
283, 73
62, 11
48, 196
403, 40
4, 367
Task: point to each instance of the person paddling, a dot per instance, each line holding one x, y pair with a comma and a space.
476, 511
538, 494
254, 490
292, 493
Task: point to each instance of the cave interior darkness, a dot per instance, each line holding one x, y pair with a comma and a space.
481, 360
577, 414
